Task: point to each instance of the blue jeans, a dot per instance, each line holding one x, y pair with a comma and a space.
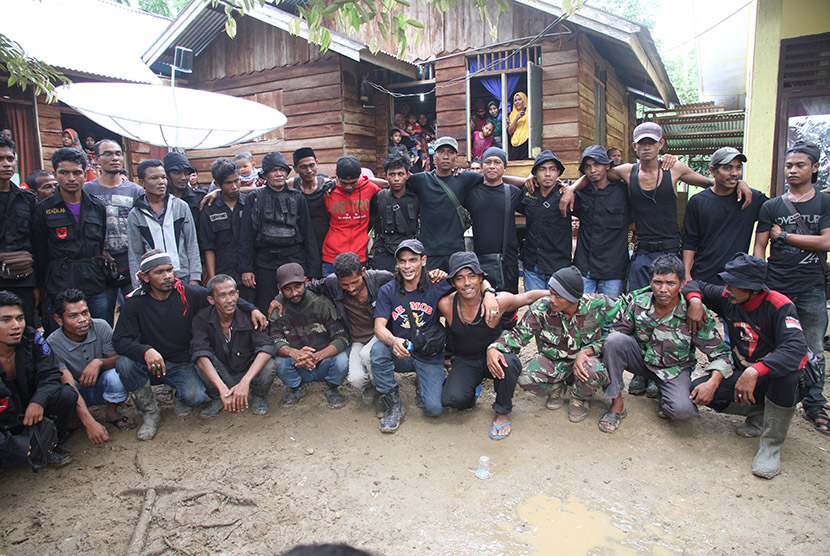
812, 312
189, 389
430, 377
640, 265
331, 369
328, 268
115, 297
107, 389
97, 308
611, 288
535, 281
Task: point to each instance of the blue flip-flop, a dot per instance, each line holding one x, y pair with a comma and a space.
498, 428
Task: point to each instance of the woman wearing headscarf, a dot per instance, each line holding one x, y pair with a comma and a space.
518, 128
70, 140
494, 116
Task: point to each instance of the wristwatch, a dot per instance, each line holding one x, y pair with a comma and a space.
782, 237
490, 290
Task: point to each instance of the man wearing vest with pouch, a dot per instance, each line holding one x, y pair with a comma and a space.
394, 213
276, 229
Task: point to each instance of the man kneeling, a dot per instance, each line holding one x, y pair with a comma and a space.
309, 340
232, 358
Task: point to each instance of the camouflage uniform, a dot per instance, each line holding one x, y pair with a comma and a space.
558, 341
662, 349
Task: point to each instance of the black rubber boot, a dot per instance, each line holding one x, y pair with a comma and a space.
394, 414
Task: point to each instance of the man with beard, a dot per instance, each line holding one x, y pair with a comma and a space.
232, 358
160, 220
655, 338
118, 198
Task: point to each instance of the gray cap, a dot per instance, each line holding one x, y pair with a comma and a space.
648, 130
290, 273
725, 155
412, 244
445, 142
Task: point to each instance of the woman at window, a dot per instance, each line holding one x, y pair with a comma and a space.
495, 119
518, 128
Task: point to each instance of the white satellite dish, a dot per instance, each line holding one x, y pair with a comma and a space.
171, 117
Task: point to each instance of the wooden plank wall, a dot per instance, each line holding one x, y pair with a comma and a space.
451, 102
51, 131
560, 101
312, 99
362, 126
591, 64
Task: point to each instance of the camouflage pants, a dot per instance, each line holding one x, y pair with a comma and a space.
542, 375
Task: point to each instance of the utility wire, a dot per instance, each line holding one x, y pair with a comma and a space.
675, 47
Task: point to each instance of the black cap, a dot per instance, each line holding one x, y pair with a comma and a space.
745, 272
597, 153
271, 161
567, 283
412, 244
547, 156
462, 260
303, 152
177, 161
348, 168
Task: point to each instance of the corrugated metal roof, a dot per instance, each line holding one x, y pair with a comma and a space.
94, 37
700, 129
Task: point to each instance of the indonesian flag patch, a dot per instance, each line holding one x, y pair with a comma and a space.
792, 322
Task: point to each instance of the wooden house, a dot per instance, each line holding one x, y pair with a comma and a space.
583, 75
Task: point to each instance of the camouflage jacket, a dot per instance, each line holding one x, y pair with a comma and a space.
667, 345
558, 338
313, 322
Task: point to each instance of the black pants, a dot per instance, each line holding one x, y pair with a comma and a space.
782, 391
438, 261
384, 260
460, 385
60, 407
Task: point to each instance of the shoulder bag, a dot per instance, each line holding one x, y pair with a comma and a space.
493, 263
425, 341
803, 226
463, 214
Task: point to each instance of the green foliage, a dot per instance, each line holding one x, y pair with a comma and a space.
682, 70
25, 71
638, 11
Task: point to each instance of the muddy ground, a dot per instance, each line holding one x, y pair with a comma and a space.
245, 485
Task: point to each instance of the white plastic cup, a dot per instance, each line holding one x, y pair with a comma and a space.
483, 471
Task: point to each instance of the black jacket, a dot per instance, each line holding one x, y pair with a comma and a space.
64, 249
780, 349
330, 287
209, 340
16, 229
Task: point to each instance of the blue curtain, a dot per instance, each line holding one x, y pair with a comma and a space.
493, 83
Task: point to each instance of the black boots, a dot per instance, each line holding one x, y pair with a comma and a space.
394, 413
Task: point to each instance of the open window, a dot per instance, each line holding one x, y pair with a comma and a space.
498, 77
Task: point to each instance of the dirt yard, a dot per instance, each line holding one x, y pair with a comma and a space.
250, 485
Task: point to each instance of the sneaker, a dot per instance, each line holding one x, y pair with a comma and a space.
651, 390
259, 405
555, 399
212, 409
293, 396
637, 386
578, 410
59, 457
182, 410
333, 396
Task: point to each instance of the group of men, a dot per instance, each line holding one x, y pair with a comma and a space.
334, 320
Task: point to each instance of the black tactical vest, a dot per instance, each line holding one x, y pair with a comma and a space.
396, 219
275, 217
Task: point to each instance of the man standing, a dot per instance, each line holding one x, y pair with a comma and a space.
17, 207
312, 186
604, 217
411, 302
395, 213
471, 335
153, 336
715, 225
118, 198
570, 329
232, 357
276, 229
770, 352
160, 220
219, 228
68, 237
494, 222
309, 340
84, 345
348, 208
798, 245
178, 171
30, 385
548, 245
654, 338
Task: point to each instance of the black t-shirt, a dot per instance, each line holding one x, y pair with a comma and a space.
789, 268
441, 231
716, 228
4, 202
316, 208
486, 205
548, 244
